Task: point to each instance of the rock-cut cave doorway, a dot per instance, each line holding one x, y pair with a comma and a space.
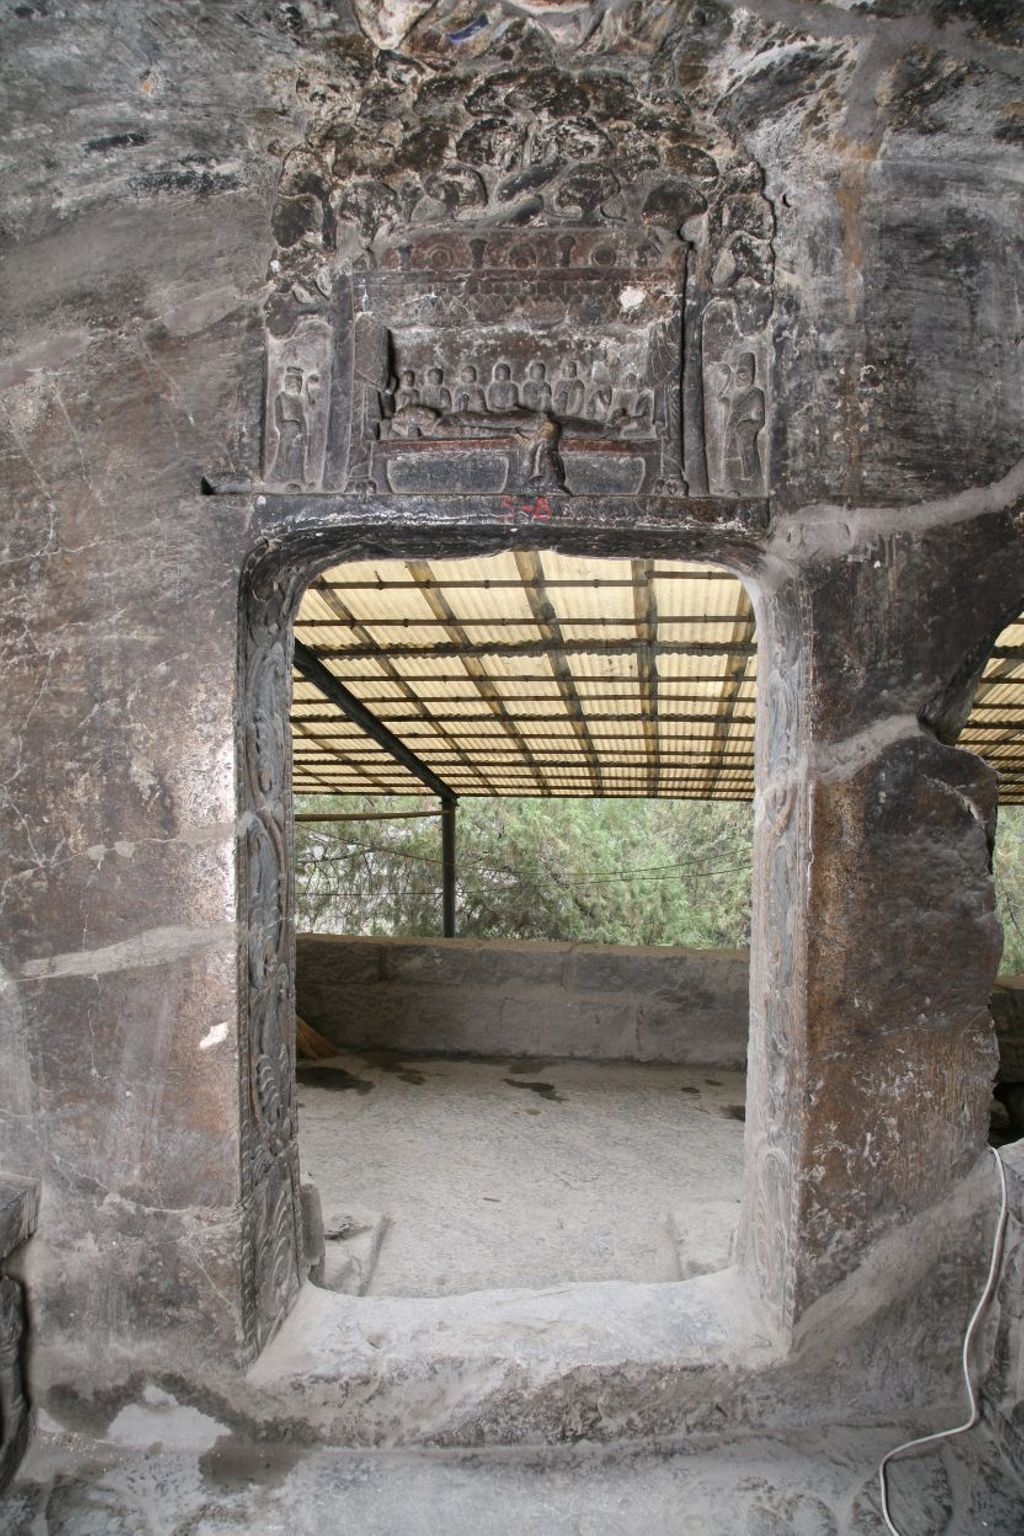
677, 634
560, 1097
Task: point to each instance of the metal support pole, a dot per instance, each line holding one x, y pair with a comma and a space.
448, 868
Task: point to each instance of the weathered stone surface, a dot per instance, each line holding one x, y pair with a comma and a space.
169, 202
705, 1236
599, 1001
1001, 1389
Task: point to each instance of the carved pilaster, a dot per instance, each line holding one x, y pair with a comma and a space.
19, 1209
270, 1173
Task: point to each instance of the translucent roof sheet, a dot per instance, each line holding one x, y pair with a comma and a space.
554, 675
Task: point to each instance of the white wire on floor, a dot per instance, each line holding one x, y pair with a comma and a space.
961, 1429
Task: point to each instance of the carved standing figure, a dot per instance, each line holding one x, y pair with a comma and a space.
502, 394
468, 394
536, 391
745, 421
292, 431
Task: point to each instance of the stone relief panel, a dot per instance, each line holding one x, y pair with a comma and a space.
735, 403
296, 407
568, 262
571, 397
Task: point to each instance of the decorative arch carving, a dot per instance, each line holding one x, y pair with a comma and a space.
522, 271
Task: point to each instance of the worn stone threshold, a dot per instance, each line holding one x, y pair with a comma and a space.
615, 1361
609, 1358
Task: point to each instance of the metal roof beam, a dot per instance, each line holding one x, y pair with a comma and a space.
313, 670
392, 673
536, 648
735, 676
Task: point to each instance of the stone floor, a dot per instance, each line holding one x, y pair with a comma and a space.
193, 1479
498, 1173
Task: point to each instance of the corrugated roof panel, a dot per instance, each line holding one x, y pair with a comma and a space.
527, 673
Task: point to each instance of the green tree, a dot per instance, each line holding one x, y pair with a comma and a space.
1008, 863
603, 871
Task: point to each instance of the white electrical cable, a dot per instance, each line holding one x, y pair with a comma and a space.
961, 1429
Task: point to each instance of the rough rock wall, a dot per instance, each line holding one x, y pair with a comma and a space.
143, 149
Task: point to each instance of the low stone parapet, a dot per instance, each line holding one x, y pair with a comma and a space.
496, 998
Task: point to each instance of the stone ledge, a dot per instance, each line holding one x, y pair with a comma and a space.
497, 998
592, 1360
619, 1362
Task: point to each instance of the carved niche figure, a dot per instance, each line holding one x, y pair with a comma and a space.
536, 391
633, 409
744, 423
468, 394
502, 393
406, 393
434, 395
570, 394
292, 430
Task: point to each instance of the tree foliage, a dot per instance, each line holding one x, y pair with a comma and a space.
1009, 871
603, 871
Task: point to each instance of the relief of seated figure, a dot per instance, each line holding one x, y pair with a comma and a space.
406, 393
431, 410
434, 395
536, 391
468, 394
502, 392
570, 391
632, 409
